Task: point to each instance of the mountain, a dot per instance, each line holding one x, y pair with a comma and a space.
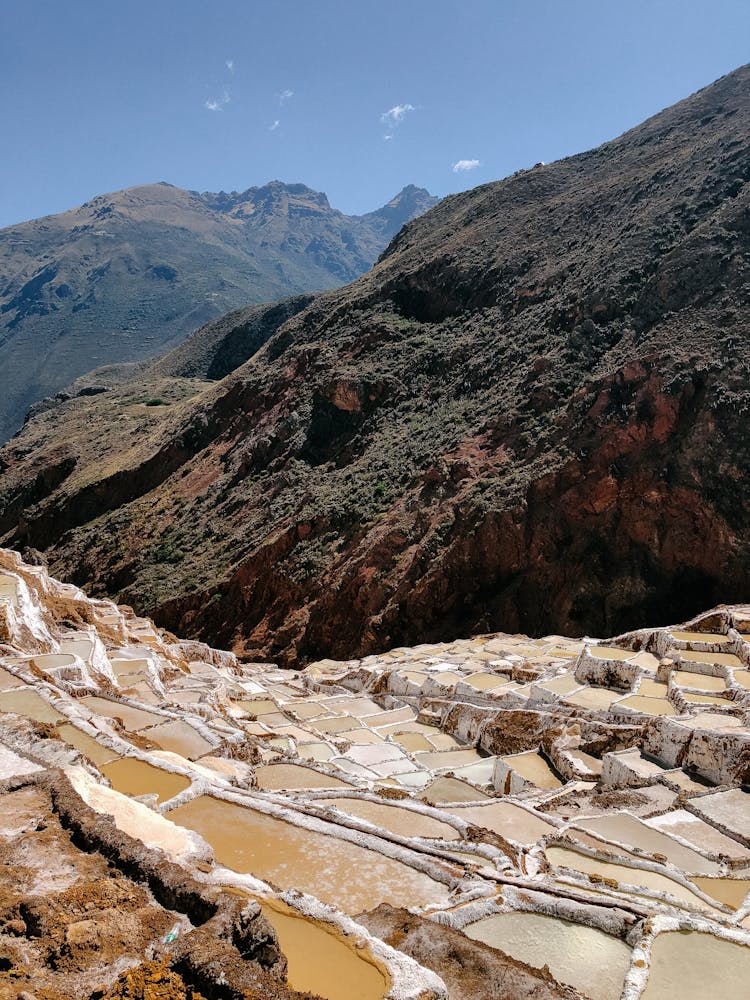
530, 415
130, 273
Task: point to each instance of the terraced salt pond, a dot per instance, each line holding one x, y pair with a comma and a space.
180, 738
695, 966
534, 768
8, 681
95, 751
565, 858
696, 656
588, 959
730, 891
336, 871
626, 829
137, 777
396, 819
622, 840
132, 719
442, 759
445, 789
646, 705
26, 702
505, 819
320, 962
277, 776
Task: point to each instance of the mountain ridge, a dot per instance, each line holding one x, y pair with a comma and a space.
130, 273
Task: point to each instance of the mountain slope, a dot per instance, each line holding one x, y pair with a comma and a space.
530, 414
129, 273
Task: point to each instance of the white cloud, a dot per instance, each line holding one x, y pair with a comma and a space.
460, 165
396, 114
217, 103
285, 95
272, 128
230, 65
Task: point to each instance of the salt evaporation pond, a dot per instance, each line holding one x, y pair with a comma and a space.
588, 959
625, 876
444, 789
79, 740
396, 819
181, 738
276, 776
626, 829
321, 963
133, 719
137, 777
336, 871
534, 768
26, 702
8, 681
505, 819
695, 966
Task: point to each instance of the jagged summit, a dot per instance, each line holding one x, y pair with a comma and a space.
134, 271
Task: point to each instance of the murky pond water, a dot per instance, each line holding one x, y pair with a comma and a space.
336, 871
405, 822
136, 777
321, 963
26, 702
588, 959
695, 966
275, 776
87, 744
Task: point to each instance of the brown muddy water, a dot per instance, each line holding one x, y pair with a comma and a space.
336, 871
136, 777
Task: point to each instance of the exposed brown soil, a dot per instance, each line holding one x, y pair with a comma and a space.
470, 969
150, 981
80, 903
67, 920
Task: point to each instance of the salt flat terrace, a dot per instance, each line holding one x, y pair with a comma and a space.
554, 810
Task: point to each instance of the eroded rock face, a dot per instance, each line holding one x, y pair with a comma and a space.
529, 415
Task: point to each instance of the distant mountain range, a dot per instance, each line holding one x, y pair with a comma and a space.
131, 273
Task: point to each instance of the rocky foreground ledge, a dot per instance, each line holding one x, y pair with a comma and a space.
497, 816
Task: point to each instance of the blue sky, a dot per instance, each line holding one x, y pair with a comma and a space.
355, 99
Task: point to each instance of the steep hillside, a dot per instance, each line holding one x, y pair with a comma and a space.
129, 273
531, 415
